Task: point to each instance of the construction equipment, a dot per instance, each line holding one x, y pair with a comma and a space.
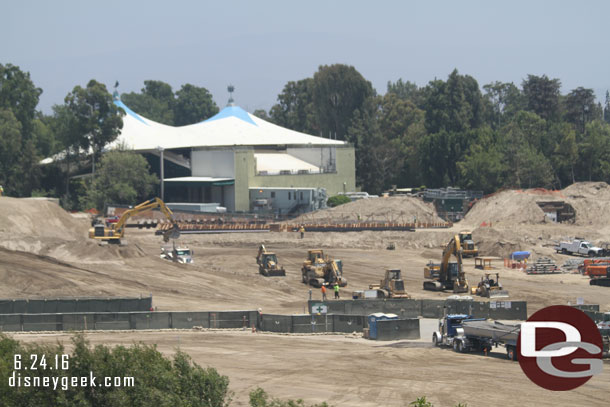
392, 286
600, 275
180, 254
466, 334
319, 270
267, 263
490, 288
113, 233
469, 249
447, 275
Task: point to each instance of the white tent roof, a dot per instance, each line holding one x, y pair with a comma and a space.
232, 126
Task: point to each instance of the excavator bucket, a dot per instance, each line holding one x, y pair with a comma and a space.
173, 233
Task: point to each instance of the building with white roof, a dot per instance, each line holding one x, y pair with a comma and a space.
242, 162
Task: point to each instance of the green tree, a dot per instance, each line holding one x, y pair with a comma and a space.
542, 96
580, 108
405, 91
123, 178
483, 166
594, 152
193, 105
155, 102
607, 108
262, 114
402, 127
19, 94
10, 152
97, 119
295, 109
565, 156
505, 101
158, 381
455, 105
338, 91
528, 167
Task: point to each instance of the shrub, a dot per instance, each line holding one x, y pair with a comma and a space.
337, 200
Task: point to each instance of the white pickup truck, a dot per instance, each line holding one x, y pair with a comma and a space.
579, 246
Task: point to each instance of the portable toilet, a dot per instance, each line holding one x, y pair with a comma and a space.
378, 316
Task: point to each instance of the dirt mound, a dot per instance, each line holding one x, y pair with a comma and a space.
390, 209
589, 199
38, 218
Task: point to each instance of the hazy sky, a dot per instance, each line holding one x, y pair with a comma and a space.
258, 46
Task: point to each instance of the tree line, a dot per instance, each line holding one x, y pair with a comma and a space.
76, 134
447, 132
453, 132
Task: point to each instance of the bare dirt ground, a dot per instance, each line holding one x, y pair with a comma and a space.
345, 370
45, 252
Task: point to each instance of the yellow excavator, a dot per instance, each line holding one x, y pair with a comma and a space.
113, 233
319, 270
447, 275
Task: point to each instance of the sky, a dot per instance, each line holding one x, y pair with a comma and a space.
258, 46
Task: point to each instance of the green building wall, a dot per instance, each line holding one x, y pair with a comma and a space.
343, 180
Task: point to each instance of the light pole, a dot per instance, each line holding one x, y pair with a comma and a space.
161, 172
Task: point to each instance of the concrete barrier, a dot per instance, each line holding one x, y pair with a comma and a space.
393, 329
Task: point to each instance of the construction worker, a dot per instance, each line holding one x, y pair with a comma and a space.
302, 230
1, 190
323, 293
336, 287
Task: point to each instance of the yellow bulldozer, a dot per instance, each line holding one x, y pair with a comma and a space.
113, 233
319, 270
392, 285
447, 275
267, 263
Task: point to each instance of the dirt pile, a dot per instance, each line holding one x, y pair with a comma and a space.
390, 209
514, 206
590, 200
34, 217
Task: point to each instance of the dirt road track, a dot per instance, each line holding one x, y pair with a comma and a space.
351, 371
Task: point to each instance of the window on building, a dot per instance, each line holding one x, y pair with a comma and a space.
289, 196
301, 195
273, 195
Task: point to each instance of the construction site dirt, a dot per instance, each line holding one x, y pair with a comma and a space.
45, 253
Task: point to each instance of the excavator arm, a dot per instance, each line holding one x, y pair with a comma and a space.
261, 251
150, 204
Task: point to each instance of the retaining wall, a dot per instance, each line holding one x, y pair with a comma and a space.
411, 308
64, 305
127, 320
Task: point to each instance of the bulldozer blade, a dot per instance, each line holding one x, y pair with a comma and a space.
498, 294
